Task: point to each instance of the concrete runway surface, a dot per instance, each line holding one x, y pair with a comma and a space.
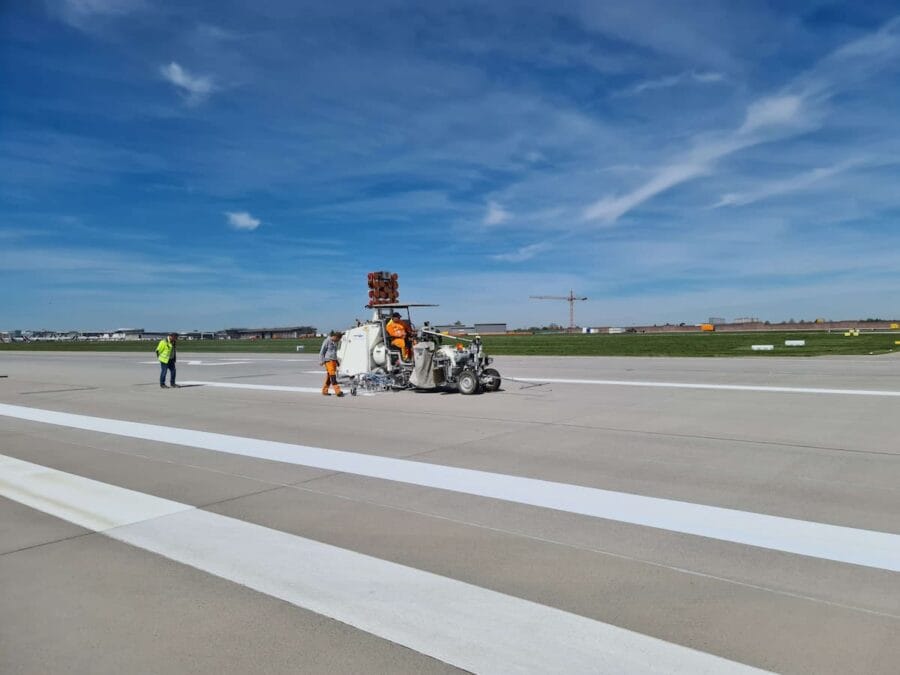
617, 515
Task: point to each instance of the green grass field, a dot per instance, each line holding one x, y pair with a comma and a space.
683, 344
690, 344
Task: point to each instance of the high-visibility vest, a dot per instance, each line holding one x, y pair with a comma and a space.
164, 350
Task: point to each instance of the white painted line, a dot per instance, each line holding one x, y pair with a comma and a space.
85, 502
724, 387
461, 624
262, 387
192, 362
217, 363
819, 540
622, 383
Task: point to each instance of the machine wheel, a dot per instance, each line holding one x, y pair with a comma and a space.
468, 383
492, 378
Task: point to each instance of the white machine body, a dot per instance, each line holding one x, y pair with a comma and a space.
361, 350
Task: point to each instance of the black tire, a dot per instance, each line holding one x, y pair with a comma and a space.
493, 379
468, 383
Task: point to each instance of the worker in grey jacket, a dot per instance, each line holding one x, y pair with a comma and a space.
328, 358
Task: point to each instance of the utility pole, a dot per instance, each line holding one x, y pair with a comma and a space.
571, 298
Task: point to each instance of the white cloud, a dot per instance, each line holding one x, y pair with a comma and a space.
772, 111
766, 119
496, 214
610, 209
521, 254
788, 185
87, 15
102, 6
196, 88
688, 77
241, 220
882, 42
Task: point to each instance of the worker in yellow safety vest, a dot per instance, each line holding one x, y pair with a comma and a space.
165, 351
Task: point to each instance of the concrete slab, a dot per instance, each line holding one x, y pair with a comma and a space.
675, 607
22, 528
95, 605
832, 459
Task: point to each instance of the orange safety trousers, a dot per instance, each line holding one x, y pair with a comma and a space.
331, 377
403, 346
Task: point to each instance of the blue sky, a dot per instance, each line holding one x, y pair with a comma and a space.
209, 164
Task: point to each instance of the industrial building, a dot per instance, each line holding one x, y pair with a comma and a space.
476, 329
283, 333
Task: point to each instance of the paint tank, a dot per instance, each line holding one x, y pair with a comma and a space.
355, 352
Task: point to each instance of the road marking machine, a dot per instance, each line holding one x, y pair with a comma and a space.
378, 356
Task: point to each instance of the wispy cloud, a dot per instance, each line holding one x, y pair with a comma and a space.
686, 77
795, 183
241, 220
496, 214
793, 110
576, 117
522, 253
772, 111
608, 210
766, 119
882, 42
195, 88
80, 13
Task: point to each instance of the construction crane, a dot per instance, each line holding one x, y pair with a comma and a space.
571, 298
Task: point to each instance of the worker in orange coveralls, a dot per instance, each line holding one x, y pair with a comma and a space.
399, 331
328, 358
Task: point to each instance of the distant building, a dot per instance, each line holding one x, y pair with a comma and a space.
489, 328
454, 329
716, 320
196, 335
477, 329
745, 319
283, 333
153, 336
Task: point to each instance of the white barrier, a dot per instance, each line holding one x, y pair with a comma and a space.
762, 348
795, 343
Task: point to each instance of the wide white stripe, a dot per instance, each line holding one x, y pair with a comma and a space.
616, 383
819, 540
223, 363
262, 387
202, 363
85, 502
722, 387
470, 627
